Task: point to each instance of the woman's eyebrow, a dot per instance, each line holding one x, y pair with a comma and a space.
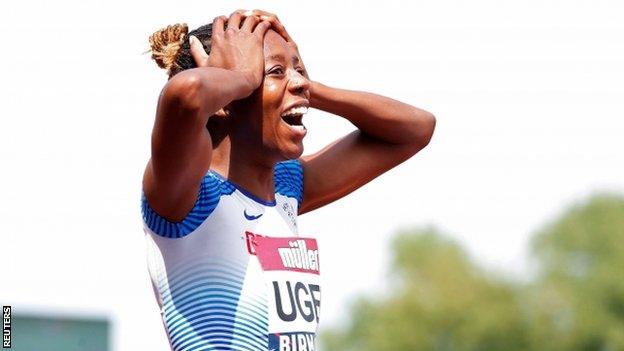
281, 58
277, 57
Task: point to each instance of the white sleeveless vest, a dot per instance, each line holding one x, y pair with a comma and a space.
234, 274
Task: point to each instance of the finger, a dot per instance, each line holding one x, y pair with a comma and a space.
235, 20
249, 23
258, 12
197, 51
218, 26
277, 26
262, 28
245, 13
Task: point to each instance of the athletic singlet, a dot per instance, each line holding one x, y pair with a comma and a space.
234, 273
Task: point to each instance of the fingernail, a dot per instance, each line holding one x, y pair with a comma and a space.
193, 39
248, 13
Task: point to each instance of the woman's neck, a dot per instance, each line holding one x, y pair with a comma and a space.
245, 168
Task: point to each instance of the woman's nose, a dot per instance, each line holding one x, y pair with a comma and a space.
298, 83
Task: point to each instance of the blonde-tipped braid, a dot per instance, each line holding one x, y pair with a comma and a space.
166, 44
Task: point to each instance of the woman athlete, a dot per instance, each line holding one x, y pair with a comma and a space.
227, 180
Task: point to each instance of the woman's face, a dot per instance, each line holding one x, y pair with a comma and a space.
281, 100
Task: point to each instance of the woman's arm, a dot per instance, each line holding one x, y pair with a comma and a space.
389, 132
181, 144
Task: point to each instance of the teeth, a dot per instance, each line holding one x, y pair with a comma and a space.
299, 110
299, 128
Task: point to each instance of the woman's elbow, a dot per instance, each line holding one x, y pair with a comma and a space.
429, 124
184, 91
424, 123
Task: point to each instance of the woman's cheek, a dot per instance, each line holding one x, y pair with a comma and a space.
270, 94
270, 86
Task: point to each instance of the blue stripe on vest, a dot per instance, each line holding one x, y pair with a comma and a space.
288, 179
203, 310
209, 193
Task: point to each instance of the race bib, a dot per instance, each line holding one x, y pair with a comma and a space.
291, 272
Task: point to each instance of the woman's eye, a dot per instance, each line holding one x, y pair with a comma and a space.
277, 70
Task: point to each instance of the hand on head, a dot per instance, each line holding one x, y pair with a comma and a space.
276, 25
237, 43
237, 48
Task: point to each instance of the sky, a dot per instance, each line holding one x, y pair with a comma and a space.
528, 96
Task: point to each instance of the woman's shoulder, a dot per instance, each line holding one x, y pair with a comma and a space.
288, 179
212, 188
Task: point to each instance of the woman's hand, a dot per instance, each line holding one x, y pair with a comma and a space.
238, 48
276, 25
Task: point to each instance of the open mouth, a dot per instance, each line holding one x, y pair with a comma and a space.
293, 116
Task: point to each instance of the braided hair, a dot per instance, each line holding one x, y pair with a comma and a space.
171, 49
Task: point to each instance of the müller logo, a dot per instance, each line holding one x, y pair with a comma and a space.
298, 256
285, 253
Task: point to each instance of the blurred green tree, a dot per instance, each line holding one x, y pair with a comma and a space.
577, 299
442, 301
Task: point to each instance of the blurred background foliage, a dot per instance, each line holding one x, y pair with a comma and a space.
440, 300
